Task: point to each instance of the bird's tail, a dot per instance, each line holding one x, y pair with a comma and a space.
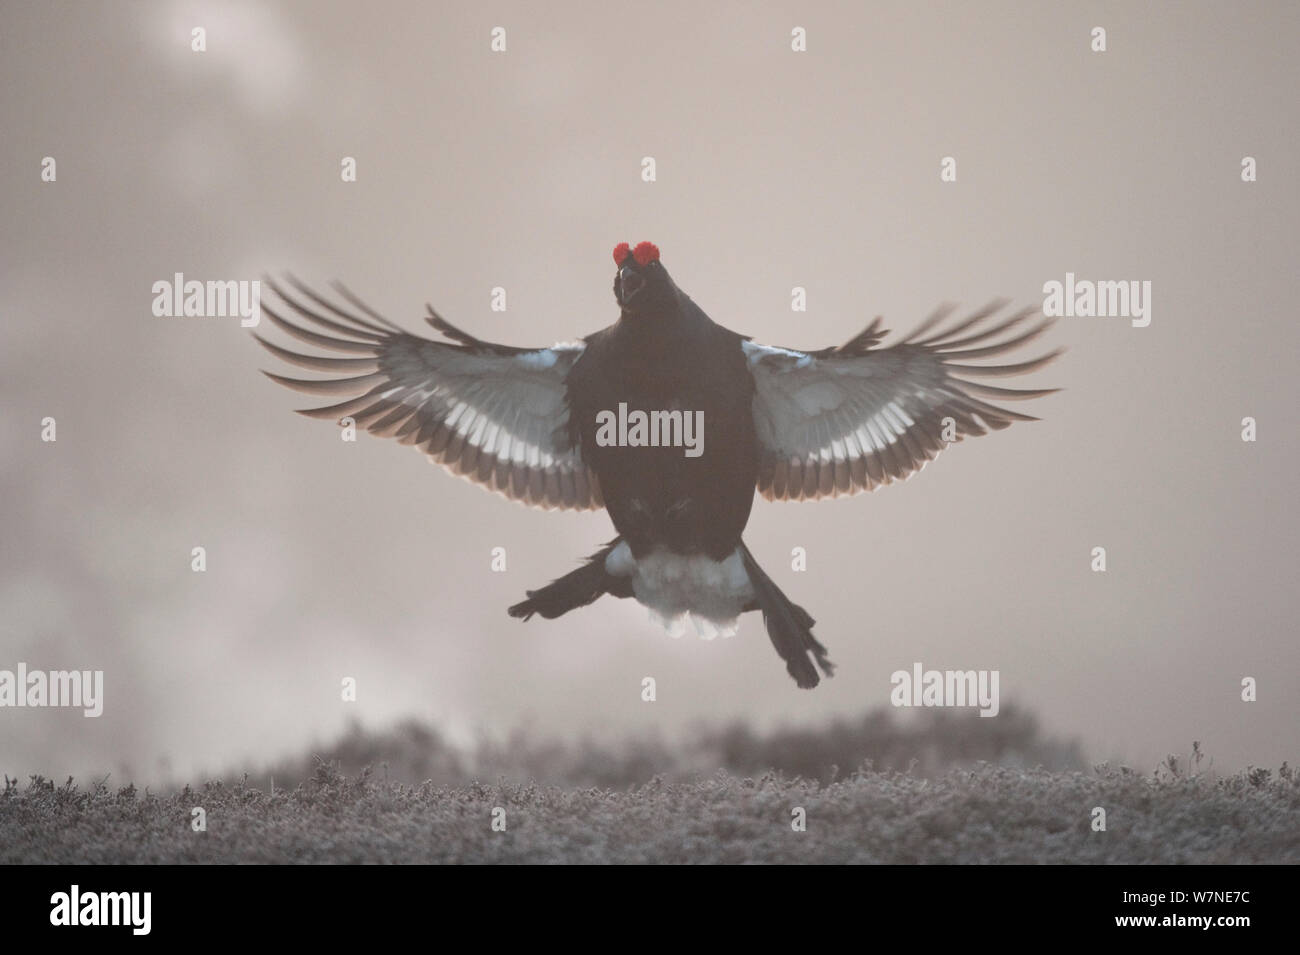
576, 589
788, 625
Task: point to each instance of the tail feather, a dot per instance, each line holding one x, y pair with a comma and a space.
575, 589
788, 625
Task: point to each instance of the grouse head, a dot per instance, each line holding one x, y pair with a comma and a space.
642, 285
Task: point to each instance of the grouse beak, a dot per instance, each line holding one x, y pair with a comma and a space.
632, 282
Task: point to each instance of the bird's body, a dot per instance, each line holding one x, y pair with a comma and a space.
539, 426
660, 496
679, 516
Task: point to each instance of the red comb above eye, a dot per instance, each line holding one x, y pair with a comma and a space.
645, 253
620, 252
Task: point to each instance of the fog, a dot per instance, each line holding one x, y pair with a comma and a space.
328, 560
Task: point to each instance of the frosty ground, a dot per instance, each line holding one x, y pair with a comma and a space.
647, 802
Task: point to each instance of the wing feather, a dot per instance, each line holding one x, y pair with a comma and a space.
495, 414
852, 418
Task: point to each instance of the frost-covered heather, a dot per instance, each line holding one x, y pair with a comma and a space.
988, 814
928, 744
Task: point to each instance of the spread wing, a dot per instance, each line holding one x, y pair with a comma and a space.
849, 419
495, 414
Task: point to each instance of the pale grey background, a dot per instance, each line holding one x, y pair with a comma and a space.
775, 169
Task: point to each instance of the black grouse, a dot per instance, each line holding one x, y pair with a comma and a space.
671, 423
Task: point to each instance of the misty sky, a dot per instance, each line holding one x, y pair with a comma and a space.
522, 169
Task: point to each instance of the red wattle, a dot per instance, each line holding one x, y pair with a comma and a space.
645, 253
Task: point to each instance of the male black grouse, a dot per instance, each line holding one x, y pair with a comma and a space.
670, 422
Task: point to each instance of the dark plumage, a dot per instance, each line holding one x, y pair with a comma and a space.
793, 425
